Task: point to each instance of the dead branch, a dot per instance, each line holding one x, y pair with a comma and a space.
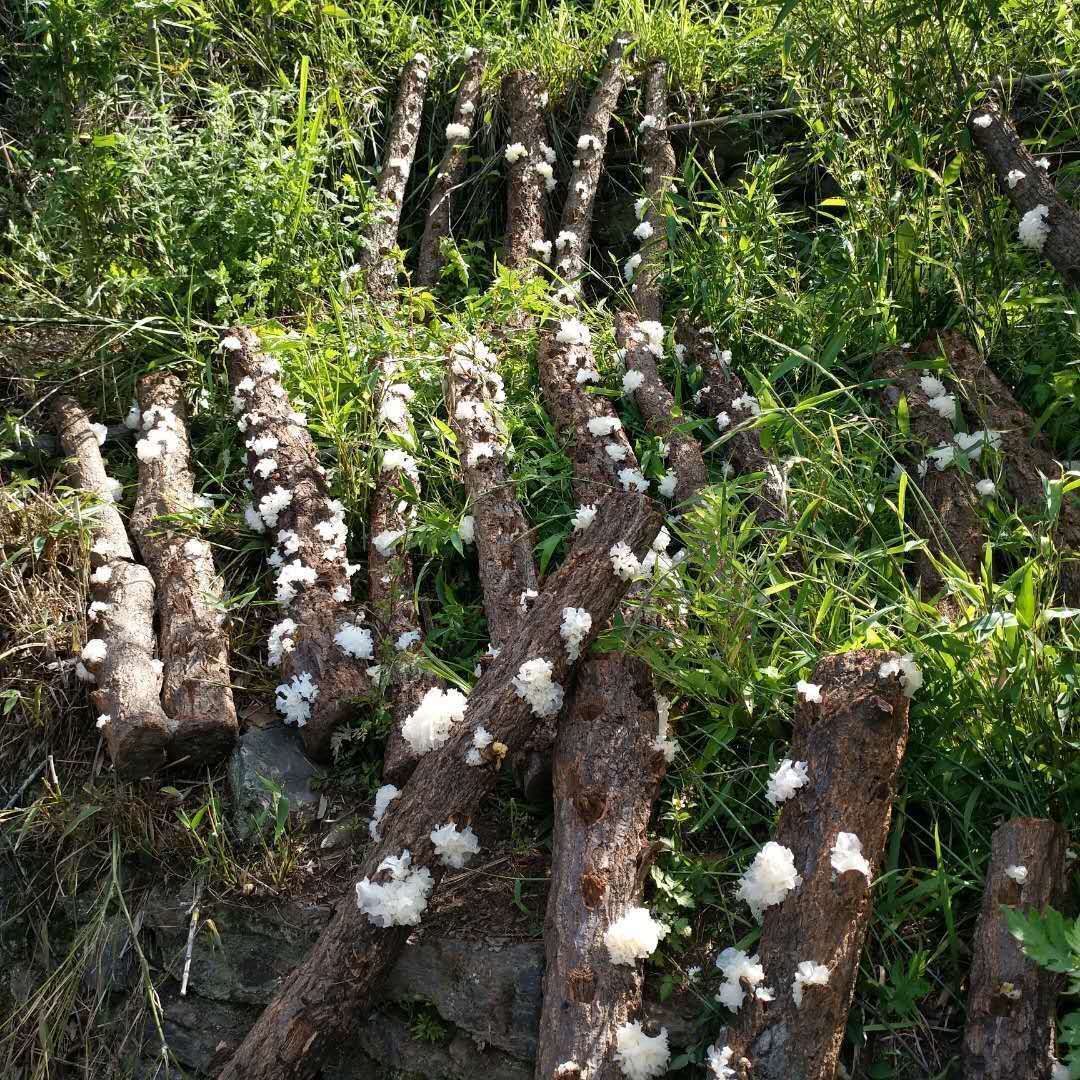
327, 994
1027, 185
852, 742
127, 685
196, 687
451, 169
1012, 1001
291, 499
521, 97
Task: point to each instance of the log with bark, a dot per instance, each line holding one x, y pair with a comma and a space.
1011, 1000
291, 499
127, 682
1027, 185
327, 994
608, 768
451, 170
852, 742
522, 99
377, 256
196, 690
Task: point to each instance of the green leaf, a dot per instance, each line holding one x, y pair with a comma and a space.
1044, 938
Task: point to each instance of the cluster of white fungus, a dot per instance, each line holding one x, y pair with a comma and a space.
624, 562
102, 575
383, 798
161, 433
1034, 228
584, 517
807, 974
905, 668
400, 901
294, 698
632, 380
770, 877
428, 726
809, 691
986, 488
515, 152
1018, 874
737, 967
94, 651
289, 577
641, 1056
599, 426
633, 478
847, 854
534, 684
457, 132
384, 542
280, 641
666, 485
355, 641
407, 640
938, 399
718, 1059
576, 624
541, 248
969, 444
786, 780
983, 121
588, 142
453, 846
481, 740
663, 742
1014, 177
633, 936
573, 332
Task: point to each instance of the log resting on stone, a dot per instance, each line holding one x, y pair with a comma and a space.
196, 689
377, 253
662, 416
947, 515
521, 96
1027, 185
608, 767
327, 994
307, 529
127, 684
437, 226
852, 742
1011, 1000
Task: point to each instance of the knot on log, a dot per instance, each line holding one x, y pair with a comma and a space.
590, 805
581, 985
593, 887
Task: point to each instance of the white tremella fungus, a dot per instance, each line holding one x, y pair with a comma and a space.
383, 798
481, 740
769, 878
534, 684
584, 516
294, 698
807, 974
467, 529
983, 121
643, 231
354, 641
573, 332
847, 854
641, 1056
633, 936
663, 742
905, 668
280, 641
809, 691
407, 640
428, 726
617, 452
630, 266
94, 651
515, 152
1017, 873
453, 846
986, 488
666, 485
576, 624
631, 381
624, 562
736, 967
402, 900
1034, 228
102, 575
632, 478
718, 1058
599, 426
1014, 177
786, 780
103, 721
457, 132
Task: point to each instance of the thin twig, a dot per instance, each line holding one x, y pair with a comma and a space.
25, 784
191, 939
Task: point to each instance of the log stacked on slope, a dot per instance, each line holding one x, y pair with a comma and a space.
326, 995
291, 503
853, 742
1012, 1001
452, 168
127, 680
1027, 185
196, 690
522, 99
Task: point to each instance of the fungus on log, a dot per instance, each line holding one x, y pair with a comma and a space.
607, 769
852, 742
437, 226
127, 682
328, 993
946, 515
291, 502
1029, 188
522, 98
196, 690
1011, 1000
377, 256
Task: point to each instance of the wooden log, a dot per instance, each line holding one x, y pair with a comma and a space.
327, 994
307, 529
658, 160
662, 416
1026, 457
1027, 185
127, 684
1011, 1000
196, 690
946, 515
452, 168
607, 772
521, 96
377, 256
852, 742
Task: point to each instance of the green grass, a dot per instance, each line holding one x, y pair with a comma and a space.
185, 165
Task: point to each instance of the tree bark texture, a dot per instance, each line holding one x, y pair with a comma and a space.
196, 689
853, 742
521, 97
662, 416
452, 168
127, 687
377, 257
1012, 1001
607, 771
328, 992
1026, 458
1006, 154
585, 178
722, 386
316, 608
946, 516
658, 159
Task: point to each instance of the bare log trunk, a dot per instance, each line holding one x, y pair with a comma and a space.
658, 160
127, 686
521, 97
662, 417
853, 743
196, 690
1012, 1001
607, 771
1030, 186
308, 529
437, 226
323, 998
946, 516
377, 256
